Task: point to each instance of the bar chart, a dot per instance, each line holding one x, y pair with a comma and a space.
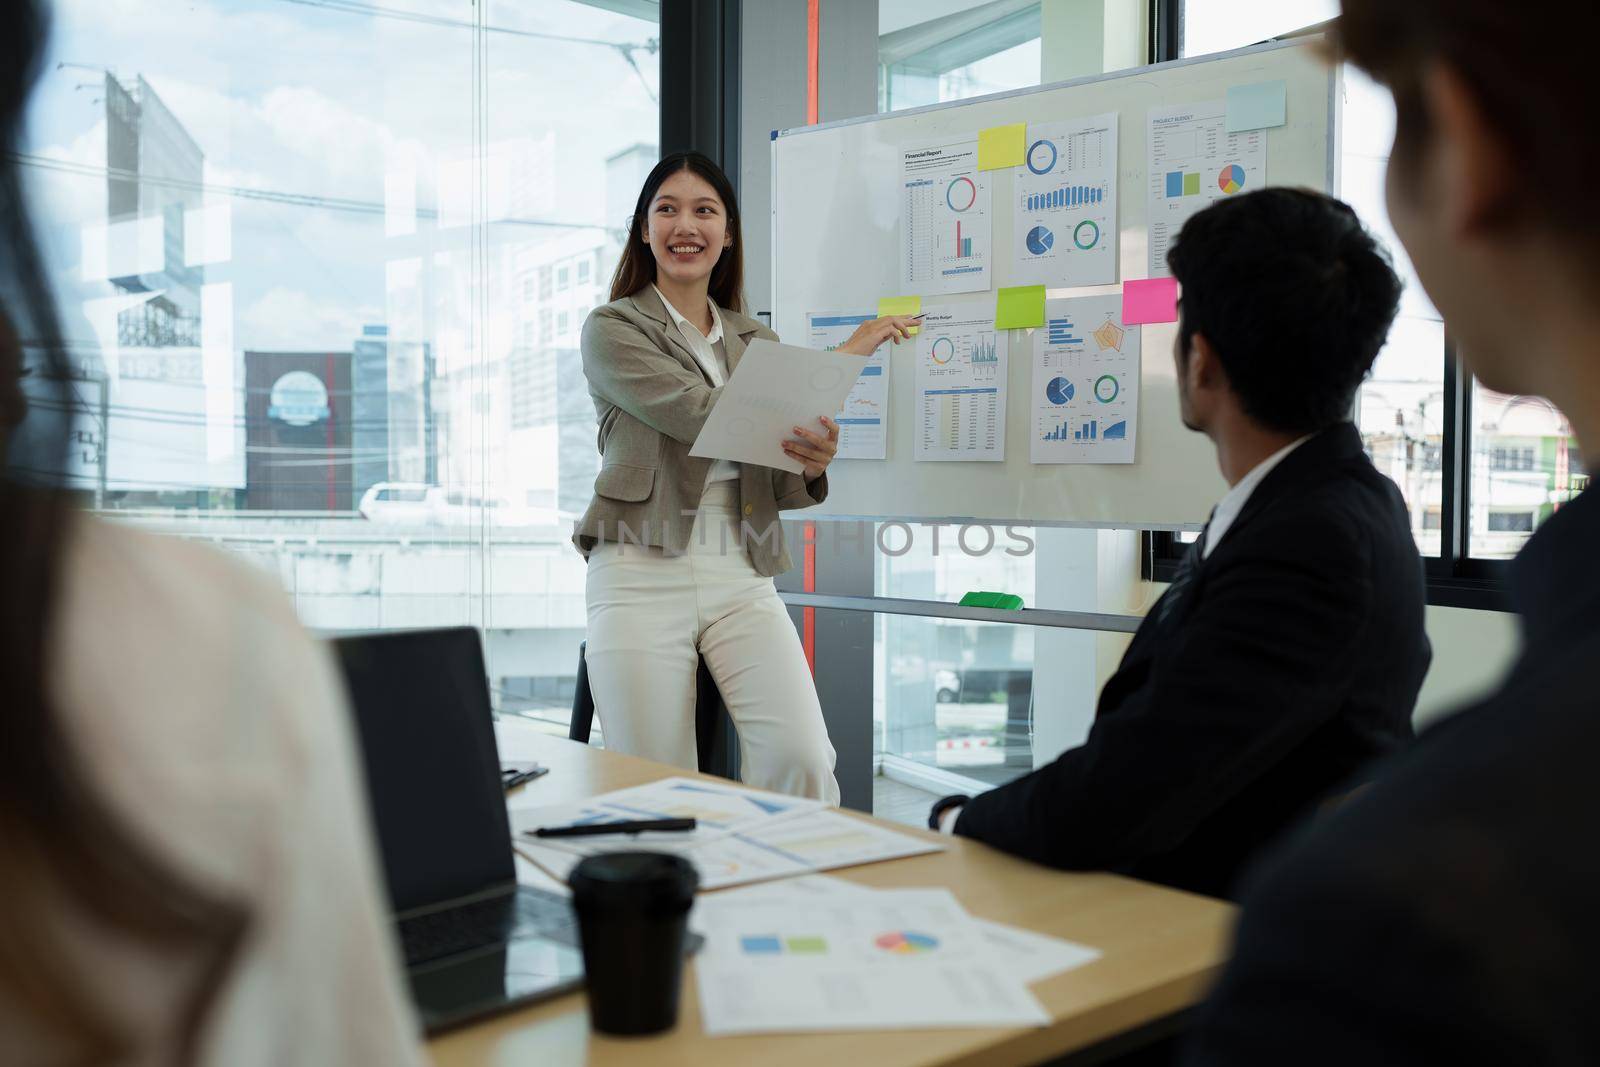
1065, 196
963, 245
1062, 332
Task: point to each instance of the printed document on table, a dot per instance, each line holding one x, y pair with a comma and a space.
1085, 383
961, 386
1031, 956
718, 810
1064, 210
946, 220
894, 959
864, 418
1195, 161
783, 845
775, 388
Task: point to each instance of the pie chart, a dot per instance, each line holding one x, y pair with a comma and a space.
943, 350
1042, 157
1086, 234
1059, 391
1231, 179
904, 942
1039, 240
1106, 388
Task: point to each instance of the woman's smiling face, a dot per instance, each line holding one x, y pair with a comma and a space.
688, 228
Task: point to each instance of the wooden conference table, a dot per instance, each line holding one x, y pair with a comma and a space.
1161, 948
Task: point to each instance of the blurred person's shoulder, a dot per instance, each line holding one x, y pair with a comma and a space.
185, 679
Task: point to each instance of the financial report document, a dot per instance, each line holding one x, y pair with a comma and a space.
775, 388
889, 959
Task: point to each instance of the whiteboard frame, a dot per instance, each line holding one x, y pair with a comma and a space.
1330, 184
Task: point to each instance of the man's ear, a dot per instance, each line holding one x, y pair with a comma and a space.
1466, 161
1203, 367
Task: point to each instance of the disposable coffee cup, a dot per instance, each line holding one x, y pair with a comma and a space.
633, 921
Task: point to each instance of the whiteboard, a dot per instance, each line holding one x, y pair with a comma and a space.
835, 248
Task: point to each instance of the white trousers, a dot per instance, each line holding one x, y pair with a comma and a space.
653, 616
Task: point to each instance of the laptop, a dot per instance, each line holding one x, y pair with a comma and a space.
475, 942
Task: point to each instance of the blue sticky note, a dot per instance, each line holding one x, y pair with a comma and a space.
1257, 107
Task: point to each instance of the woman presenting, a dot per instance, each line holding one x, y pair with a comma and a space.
682, 550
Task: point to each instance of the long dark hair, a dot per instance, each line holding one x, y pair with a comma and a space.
61, 846
637, 268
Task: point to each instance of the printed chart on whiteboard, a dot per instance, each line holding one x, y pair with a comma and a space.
864, 419
1085, 383
961, 387
1064, 230
1195, 161
945, 210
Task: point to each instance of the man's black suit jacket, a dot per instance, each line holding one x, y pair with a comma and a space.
1252, 692
1450, 913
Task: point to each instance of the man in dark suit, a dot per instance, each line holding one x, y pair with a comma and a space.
1450, 914
1289, 649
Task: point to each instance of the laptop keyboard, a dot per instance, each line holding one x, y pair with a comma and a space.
526, 913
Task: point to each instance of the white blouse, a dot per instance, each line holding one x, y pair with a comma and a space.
218, 729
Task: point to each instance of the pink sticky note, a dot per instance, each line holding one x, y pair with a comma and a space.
1149, 300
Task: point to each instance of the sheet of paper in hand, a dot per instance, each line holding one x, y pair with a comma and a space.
775, 388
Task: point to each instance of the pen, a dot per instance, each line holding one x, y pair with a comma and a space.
636, 826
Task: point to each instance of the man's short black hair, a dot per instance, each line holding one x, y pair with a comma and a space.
1296, 298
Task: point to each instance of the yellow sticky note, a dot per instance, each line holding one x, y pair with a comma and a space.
1019, 307
1002, 146
900, 305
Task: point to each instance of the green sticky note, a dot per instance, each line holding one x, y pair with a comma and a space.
1019, 307
900, 305
1191, 185
807, 946
1002, 146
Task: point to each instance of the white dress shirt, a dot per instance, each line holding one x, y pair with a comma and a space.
1229, 507
701, 345
203, 715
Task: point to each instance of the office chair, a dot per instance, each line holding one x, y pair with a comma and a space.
716, 739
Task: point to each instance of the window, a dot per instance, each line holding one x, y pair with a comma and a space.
929, 54
563, 279
561, 324
1521, 470
1222, 25
585, 269
290, 284
1511, 522
546, 329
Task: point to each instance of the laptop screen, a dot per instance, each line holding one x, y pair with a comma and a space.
421, 701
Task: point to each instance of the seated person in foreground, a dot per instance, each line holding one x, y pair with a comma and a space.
1288, 651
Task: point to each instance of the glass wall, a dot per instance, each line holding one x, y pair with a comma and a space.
1401, 407
323, 273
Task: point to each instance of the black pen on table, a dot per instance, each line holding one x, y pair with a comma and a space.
636, 826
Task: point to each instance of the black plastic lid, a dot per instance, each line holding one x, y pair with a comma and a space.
655, 882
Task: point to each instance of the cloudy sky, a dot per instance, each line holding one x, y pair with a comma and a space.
298, 97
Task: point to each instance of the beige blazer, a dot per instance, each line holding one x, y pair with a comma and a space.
652, 397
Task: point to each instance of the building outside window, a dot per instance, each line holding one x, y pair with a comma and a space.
338, 375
